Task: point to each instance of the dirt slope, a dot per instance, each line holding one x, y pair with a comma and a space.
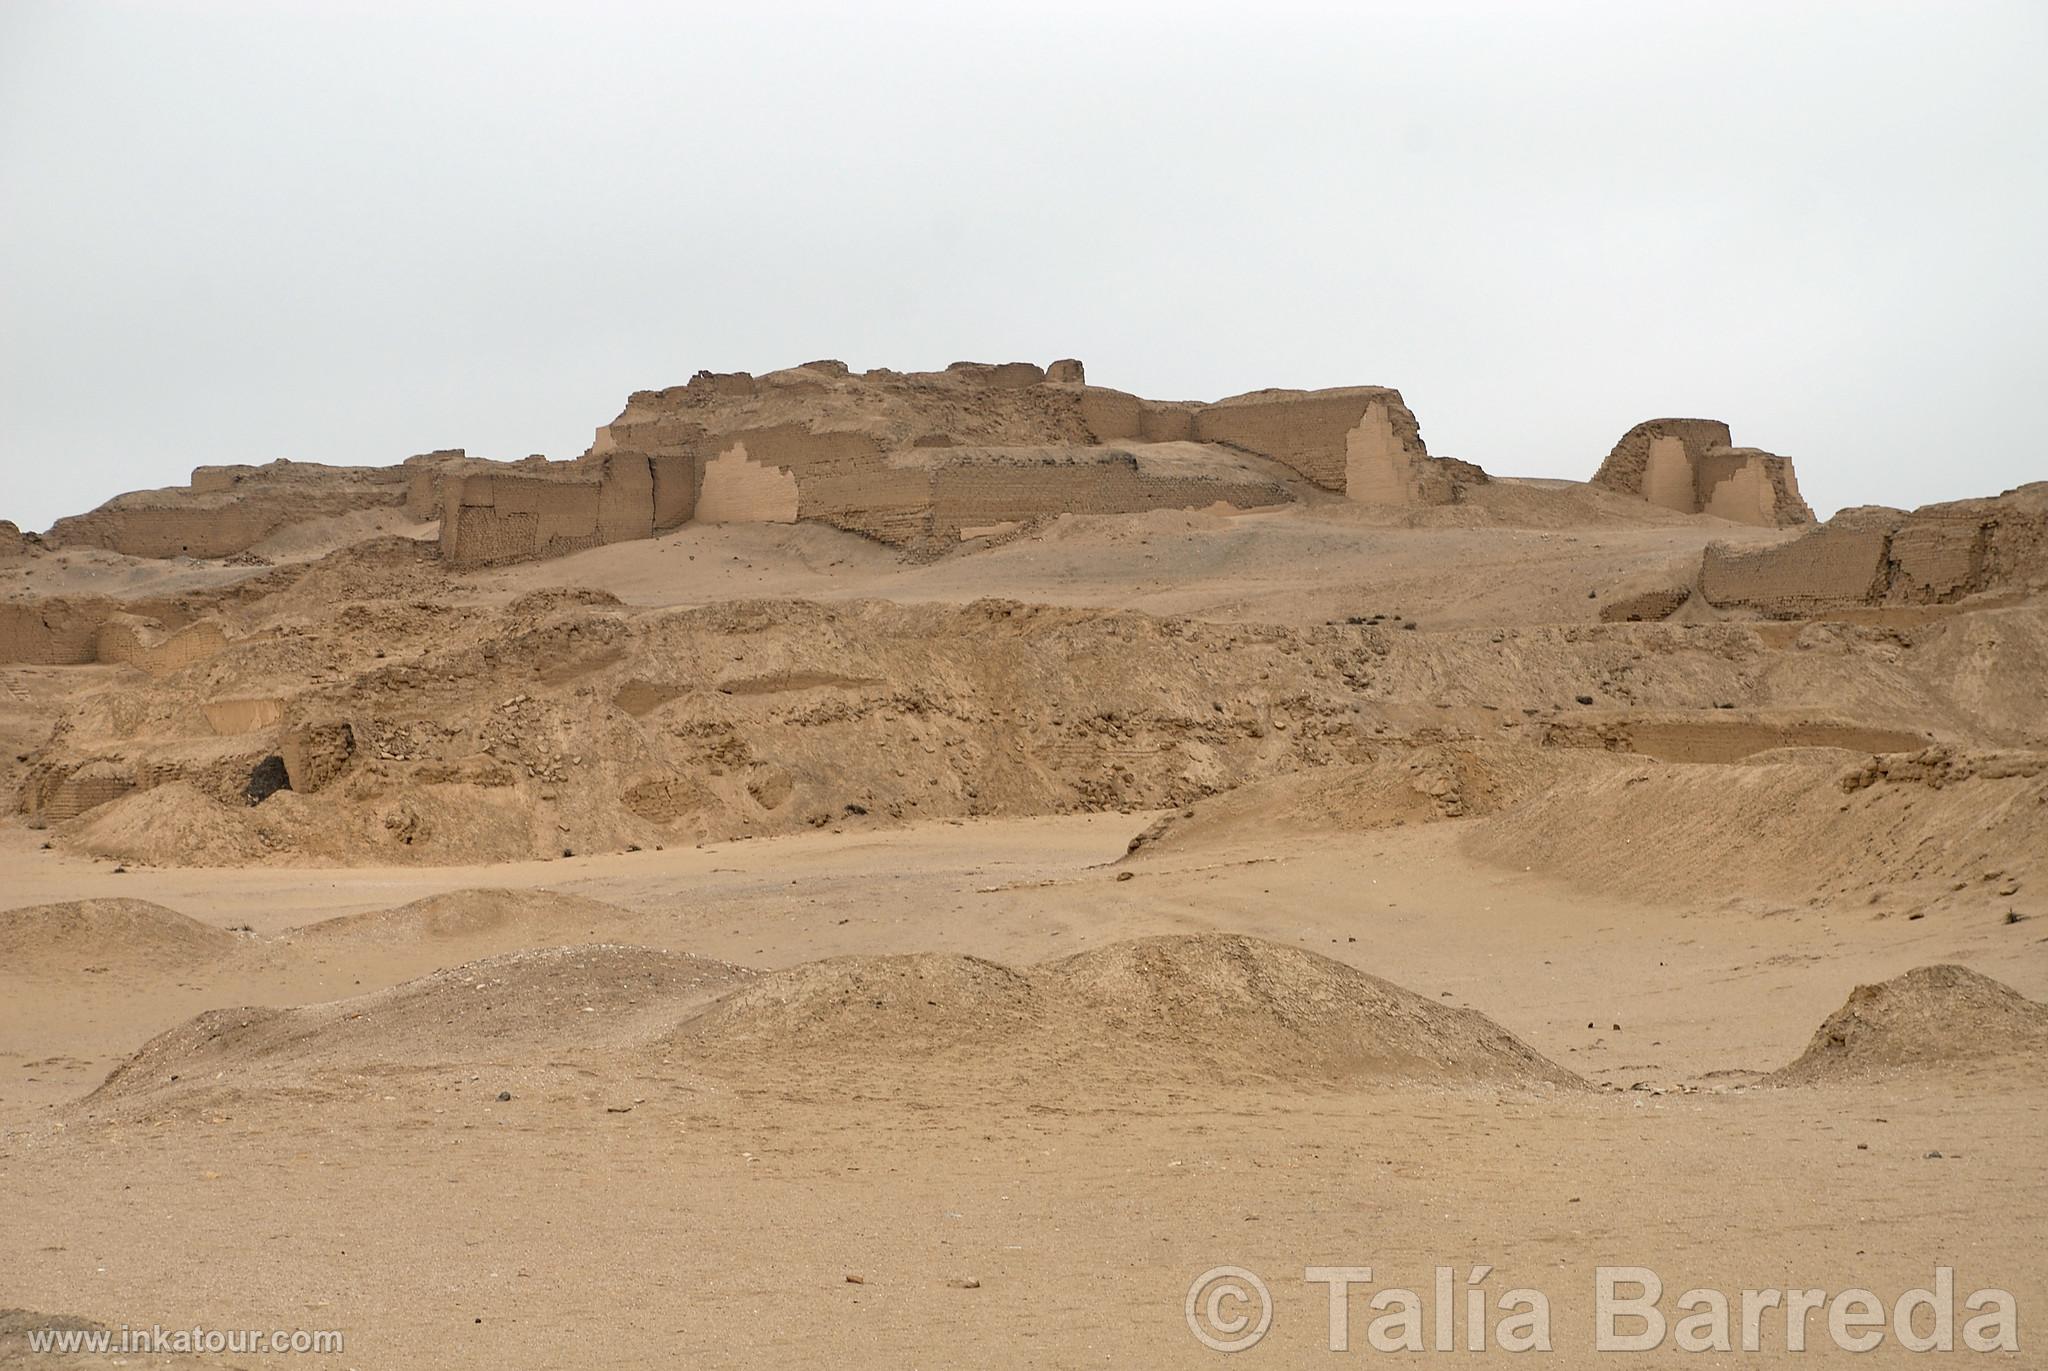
1942, 1018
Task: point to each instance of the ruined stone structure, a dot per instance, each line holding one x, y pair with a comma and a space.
87, 629
1936, 554
923, 460
1689, 465
51, 631
228, 509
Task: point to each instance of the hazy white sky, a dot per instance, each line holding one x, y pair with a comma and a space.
348, 232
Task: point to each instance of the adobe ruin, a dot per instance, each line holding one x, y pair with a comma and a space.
1692, 466
927, 460
1872, 555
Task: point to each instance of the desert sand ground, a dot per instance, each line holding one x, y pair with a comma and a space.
739, 1128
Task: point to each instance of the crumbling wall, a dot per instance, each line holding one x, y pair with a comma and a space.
1692, 466
981, 489
1747, 485
1943, 552
218, 530
787, 472
229, 509
128, 640
625, 498
675, 489
1362, 441
1936, 554
738, 489
1657, 460
1114, 416
1828, 568
1318, 433
57, 631
426, 478
229, 717
315, 753
50, 632
818, 443
50, 796
498, 517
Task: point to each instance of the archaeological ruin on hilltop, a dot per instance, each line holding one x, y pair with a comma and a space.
348, 649
929, 462
920, 460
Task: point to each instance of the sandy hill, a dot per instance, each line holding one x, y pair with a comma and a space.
520, 1008
130, 937
1184, 1011
1223, 1002
1942, 1018
500, 917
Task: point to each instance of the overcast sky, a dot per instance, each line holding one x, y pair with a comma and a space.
351, 232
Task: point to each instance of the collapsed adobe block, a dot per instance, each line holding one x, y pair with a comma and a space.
1691, 466
315, 754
